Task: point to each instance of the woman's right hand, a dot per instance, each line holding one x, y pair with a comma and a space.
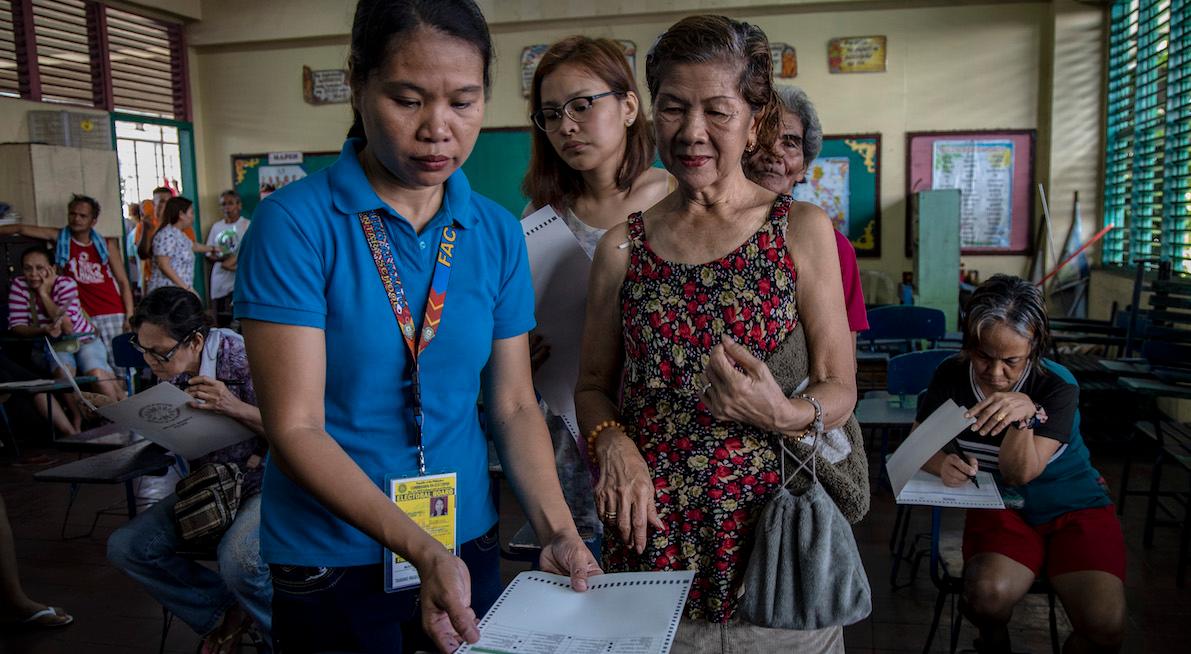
954, 471
624, 494
447, 616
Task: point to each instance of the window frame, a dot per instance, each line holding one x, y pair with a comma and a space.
1147, 122
102, 93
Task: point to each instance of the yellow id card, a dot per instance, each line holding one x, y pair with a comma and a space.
431, 502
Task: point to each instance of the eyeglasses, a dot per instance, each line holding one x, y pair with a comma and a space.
548, 119
163, 358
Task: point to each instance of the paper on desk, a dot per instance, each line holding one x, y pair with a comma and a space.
21, 385
163, 415
69, 377
560, 268
621, 613
943, 425
925, 488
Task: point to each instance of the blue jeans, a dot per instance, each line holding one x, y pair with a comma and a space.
146, 549
348, 610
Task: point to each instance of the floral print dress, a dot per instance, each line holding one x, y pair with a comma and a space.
711, 478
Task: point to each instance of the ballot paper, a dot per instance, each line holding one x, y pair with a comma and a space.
163, 415
621, 613
925, 488
559, 268
944, 424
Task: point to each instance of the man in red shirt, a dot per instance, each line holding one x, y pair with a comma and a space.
95, 263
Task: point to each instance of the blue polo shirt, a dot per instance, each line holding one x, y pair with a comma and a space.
305, 262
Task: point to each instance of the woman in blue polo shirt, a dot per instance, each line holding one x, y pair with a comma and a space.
343, 277
1058, 520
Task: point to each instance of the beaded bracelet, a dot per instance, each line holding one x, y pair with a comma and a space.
816, 424
595, 433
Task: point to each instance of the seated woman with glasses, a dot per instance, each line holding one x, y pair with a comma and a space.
591, 158
180, 347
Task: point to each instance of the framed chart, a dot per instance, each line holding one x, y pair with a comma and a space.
845, 181
993, 169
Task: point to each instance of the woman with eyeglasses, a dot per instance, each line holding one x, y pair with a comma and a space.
590, 162
379, 297
173, 333
674, 396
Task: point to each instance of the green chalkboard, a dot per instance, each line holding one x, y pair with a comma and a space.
498, 164
252, 174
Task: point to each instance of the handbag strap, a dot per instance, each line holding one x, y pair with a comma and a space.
816, 432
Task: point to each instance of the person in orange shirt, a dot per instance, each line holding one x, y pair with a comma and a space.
151, 211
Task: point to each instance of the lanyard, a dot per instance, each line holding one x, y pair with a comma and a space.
436, 299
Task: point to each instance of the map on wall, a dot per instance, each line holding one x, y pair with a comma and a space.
827, 186
845, 181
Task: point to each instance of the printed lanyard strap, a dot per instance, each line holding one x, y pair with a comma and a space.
436, 300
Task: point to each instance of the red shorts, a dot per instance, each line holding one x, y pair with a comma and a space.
1087, 539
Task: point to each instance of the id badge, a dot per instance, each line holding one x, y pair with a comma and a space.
432, 503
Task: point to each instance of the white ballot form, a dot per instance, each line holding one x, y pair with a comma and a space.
620, 613
927, 489
944, 424
560, 269
163, 415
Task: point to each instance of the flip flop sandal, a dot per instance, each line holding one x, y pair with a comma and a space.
48, 618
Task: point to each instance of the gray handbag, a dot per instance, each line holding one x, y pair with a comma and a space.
805, 570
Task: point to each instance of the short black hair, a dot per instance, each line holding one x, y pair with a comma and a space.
36, 249
176, 310
87, 199
378, 24
163, 189
231, 193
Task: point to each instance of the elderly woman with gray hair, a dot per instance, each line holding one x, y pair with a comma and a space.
1059, 520
784, 166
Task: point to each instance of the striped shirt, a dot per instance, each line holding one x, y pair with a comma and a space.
65, 294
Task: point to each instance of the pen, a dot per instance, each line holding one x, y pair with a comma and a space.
959, 451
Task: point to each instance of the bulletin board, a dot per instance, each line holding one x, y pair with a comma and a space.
845, 181
994, 170
252, 174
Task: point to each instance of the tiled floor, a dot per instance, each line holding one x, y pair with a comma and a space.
114, 615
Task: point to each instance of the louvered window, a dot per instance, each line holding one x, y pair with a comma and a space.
86, 53
63, 51
1147, 194
142, 55
10, 84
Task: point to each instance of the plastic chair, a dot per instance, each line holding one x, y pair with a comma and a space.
904, 323
910, 373
126, 356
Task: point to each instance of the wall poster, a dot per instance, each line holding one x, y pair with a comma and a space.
994, 170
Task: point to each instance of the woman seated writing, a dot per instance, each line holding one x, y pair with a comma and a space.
180, 346
1058, 520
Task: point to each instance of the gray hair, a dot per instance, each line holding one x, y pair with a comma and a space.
795, 100
1010, 301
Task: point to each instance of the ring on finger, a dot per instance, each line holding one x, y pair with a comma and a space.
1001, 416
609, 516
